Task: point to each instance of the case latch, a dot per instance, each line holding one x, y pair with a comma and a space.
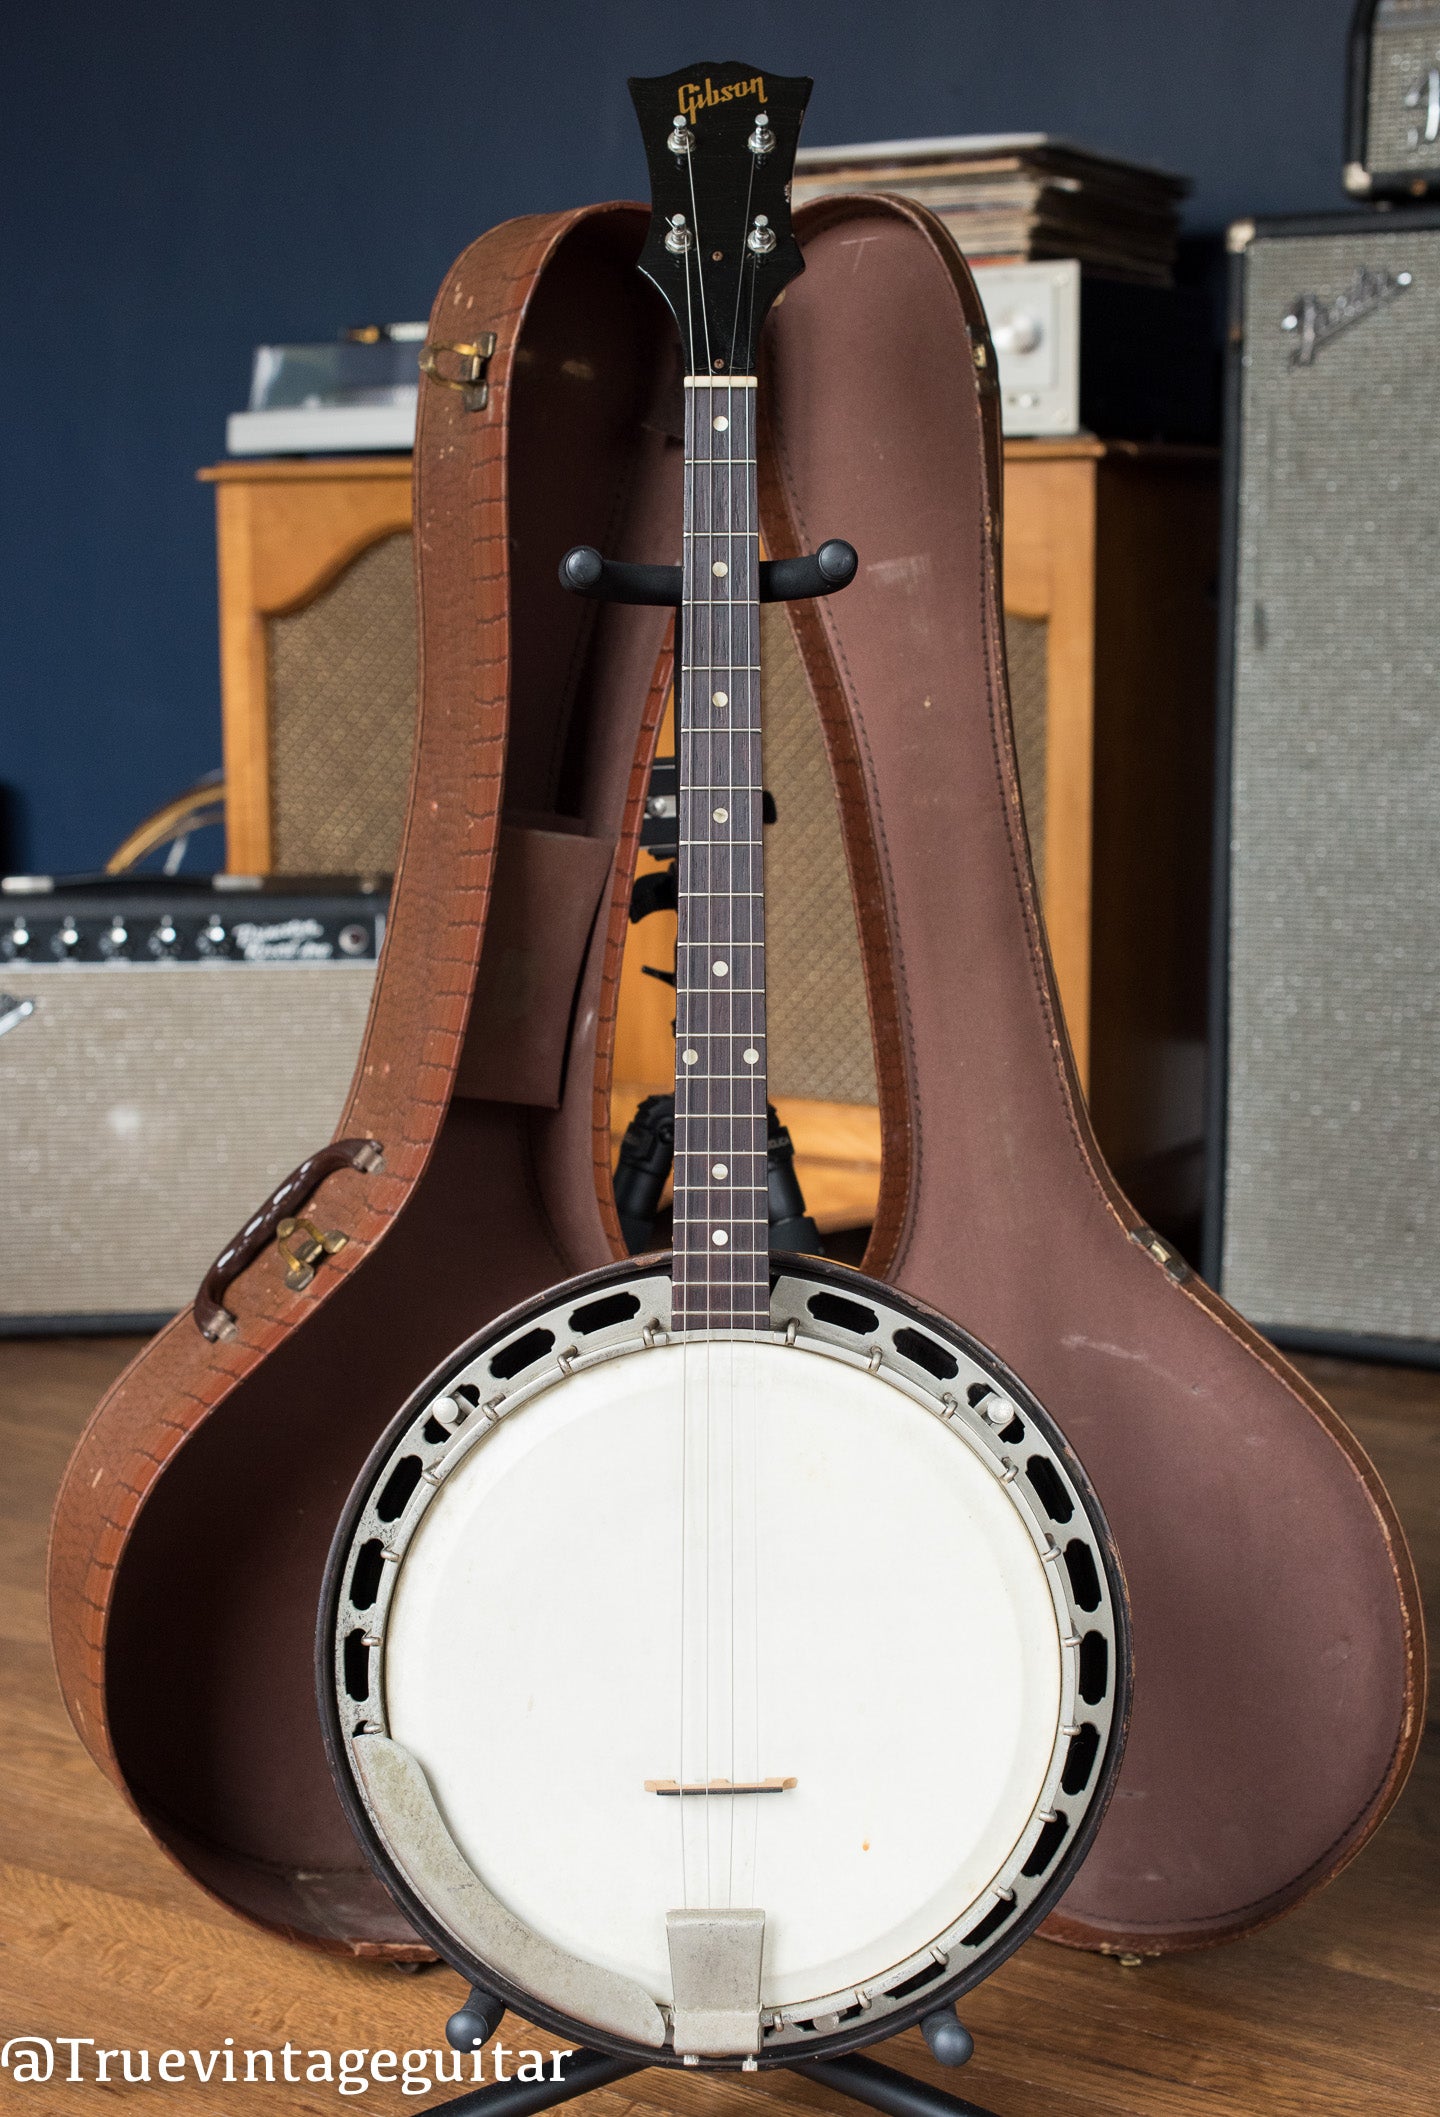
302, 1245
464, 368
1164, 1253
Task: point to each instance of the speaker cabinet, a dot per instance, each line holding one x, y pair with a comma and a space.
168, 1053
1323, 1221
317, 661
1393, 119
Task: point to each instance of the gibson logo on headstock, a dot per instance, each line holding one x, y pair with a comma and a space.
694, 98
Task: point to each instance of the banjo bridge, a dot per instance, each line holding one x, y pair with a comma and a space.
719, 1786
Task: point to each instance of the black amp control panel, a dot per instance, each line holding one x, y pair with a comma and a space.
230, 919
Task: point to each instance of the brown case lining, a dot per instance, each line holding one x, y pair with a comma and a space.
877, 431
1279, 1659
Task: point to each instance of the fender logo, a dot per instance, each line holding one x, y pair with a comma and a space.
694, 98
1313, 322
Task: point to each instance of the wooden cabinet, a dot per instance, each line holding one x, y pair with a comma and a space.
1113, 548
1110, 555
1111, 551
317, 660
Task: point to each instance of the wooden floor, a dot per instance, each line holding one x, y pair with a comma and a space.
1334, 2011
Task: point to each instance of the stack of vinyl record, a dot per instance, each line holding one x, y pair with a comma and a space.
1008, 197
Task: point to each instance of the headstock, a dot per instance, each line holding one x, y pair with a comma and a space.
720, 141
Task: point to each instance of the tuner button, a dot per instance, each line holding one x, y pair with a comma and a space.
762, 236
678, 238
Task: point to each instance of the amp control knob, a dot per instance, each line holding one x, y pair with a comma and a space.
114, 938
210, 941
162, 941
16, 941
1018, 333
67, 939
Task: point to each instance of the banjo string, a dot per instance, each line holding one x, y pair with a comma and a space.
713, 1405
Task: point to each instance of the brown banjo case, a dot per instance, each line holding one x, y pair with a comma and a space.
1279, 1662
1278, 1655
191, 1532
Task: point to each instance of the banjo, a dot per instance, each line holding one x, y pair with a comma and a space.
724, 1659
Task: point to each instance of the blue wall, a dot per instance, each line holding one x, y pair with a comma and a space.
181, 179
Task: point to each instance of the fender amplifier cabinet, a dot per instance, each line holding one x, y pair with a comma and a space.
168, 1052
1323, 1207
1392, 146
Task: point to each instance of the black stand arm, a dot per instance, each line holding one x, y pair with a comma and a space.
881, 2087
859, 2078
584, 572
885, 2089
580, 2071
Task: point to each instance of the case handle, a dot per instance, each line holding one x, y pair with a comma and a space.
212, 1319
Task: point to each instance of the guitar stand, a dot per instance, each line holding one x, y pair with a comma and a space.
861, 2079
645, 1156
584, 572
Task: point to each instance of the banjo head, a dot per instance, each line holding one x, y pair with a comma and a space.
625, 1628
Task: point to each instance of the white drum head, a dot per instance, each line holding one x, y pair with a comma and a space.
684, 1567
895, 1650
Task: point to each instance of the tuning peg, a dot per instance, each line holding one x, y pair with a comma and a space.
761, 238
678, 238
762, 139
682, 139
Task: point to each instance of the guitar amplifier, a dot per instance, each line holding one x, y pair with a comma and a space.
1324, 1190
168, 1052
1078, 352
1392, 146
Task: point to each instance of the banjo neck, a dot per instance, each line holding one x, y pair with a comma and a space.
720, 142
721, 1239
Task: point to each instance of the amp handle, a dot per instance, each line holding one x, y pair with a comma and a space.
212, 1319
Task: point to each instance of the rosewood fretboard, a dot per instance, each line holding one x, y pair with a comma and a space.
721, 1218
